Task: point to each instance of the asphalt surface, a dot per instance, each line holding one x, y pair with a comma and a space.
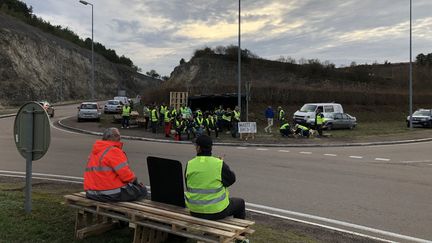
386, 190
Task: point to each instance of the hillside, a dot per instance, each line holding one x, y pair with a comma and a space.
274, 82
37, 65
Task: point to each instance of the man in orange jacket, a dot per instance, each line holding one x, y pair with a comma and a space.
108, 177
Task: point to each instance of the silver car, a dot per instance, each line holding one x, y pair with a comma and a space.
340, 121
113, 106
89, 111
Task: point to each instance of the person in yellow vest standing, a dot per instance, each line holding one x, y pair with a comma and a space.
235, 120
319, 120
125, 116
154, 118
207, 179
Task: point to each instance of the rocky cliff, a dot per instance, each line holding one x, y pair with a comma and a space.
36, 65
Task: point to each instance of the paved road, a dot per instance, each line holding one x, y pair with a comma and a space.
387, 188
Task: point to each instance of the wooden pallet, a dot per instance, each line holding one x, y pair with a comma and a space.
152, 221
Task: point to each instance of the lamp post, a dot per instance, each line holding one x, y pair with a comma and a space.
410, 71
239, 59
92, 80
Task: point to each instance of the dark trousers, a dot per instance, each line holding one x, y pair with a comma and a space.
125, 121
130, 192
319, 129
235, 208
285, 132
146, 123
154, 125
212, 129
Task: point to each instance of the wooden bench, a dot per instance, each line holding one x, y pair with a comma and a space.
152, 221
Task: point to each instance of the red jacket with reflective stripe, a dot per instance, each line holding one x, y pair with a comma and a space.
107, 167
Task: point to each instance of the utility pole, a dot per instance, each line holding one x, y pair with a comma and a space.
239, 57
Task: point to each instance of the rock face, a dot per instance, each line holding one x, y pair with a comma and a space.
36, 65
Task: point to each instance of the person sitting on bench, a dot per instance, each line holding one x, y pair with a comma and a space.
108, 177
207, 179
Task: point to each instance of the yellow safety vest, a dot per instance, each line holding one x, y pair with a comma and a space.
205, 192
126, 111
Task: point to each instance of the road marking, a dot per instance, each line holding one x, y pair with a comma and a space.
306, 152
261, 149
356, 157
283, 151
241, 148
382, 159
416, 161
332, 155
336, 222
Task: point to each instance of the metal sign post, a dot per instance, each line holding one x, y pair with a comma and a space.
28, 120
32, 139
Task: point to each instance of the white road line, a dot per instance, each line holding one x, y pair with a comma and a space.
319, 225
305, 152
337, 222
241, 148
356, 157
41, 174
283, 151
416, 161
332, 155
63, 130
261, 149
382, 159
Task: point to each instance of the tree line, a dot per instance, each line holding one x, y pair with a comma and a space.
21, 11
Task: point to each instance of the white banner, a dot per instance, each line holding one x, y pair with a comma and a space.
247, 127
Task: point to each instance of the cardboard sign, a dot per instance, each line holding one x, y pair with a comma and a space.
247, 127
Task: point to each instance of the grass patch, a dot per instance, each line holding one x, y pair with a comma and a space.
53, 221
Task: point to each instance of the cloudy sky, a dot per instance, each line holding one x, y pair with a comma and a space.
156, 34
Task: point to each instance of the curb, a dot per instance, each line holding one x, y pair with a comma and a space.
7, 115
59, 122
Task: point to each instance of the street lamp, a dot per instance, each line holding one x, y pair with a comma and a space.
410, 71
92, 80
239, 59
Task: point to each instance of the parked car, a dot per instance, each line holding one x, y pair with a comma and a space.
89, 111
421, 117
113, 106
123, 99
47, 107
340, 121
306, 114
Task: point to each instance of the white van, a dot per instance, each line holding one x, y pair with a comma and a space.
306, 114
123, 99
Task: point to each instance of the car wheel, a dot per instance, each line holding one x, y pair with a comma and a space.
329, 126
351, 127
79, 120
98, 120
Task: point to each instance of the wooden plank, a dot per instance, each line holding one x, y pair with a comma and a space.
96, 229
161, 227
137, 207
175, 209
156, 217
174, 215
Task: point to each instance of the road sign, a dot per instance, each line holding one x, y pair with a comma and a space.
32, 138
32, 128
247, 127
